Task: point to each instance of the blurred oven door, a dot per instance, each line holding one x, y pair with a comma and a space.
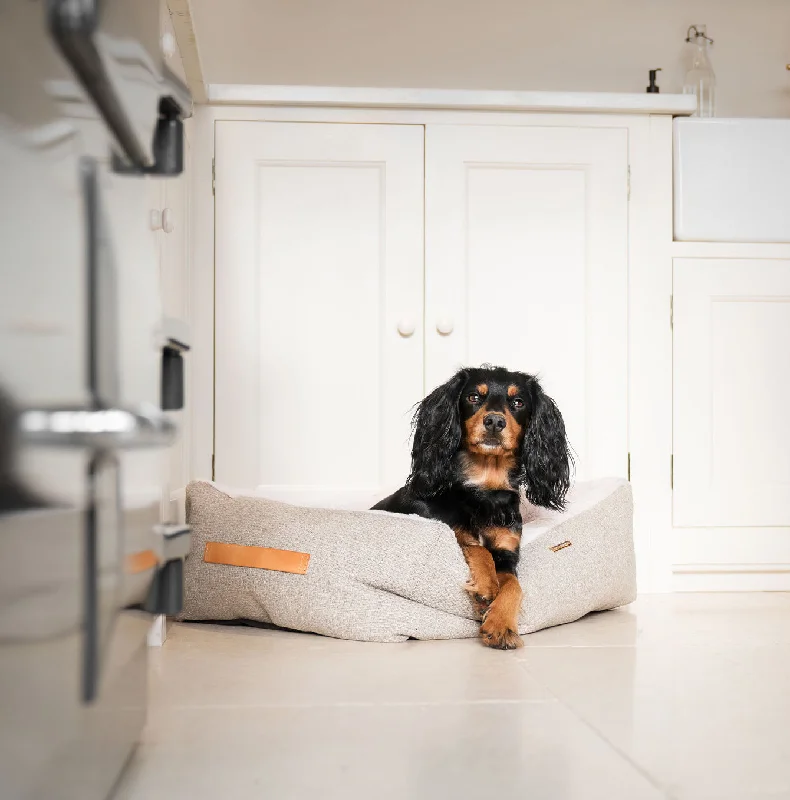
78, 583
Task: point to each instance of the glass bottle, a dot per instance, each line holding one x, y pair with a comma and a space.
700, 78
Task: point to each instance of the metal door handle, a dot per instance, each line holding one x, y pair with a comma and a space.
99, 429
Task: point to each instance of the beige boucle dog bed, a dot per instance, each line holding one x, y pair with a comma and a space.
380, 577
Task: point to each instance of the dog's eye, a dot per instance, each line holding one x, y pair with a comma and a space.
474, 397
518, 402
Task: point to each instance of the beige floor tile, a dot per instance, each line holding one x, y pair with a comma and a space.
703, 721
688, 693
223, 666
689, 619
253, 638
498, 750
781, 795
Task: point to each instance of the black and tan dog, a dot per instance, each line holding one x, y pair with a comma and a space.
478, 439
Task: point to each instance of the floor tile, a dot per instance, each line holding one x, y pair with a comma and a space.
682, 696
500, 750
702, 721
689, 619
781, 795
223, 666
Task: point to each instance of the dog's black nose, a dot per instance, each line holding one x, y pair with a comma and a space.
494, 423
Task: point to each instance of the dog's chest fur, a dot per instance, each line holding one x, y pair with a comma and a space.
486, 472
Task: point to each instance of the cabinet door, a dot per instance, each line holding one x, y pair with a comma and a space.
319, 300
527, 267
731, 392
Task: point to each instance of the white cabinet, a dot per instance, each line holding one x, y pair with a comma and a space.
319, 302
731, 393
323, 340
527, 259
353, 257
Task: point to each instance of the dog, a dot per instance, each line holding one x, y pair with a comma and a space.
479, 440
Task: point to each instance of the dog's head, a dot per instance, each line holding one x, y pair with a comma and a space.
492, 412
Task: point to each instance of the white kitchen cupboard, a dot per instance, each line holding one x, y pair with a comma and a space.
322, 342
527, 261
731, 392
319, 301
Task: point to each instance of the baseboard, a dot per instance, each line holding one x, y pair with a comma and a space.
731, 578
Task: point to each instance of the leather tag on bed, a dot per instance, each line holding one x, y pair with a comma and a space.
239, 555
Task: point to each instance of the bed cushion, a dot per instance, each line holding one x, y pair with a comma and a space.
376, 576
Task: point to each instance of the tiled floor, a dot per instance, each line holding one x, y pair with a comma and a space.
678, 696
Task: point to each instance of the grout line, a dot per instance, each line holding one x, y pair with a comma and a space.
529, 647
160, 709
654, 782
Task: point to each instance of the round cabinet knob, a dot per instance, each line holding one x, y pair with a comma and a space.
167, 220
444, 325
156, 219
406, 327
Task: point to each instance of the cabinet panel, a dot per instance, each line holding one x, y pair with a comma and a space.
319, 259
731, 392
527, 261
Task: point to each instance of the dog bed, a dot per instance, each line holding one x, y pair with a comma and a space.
380, 577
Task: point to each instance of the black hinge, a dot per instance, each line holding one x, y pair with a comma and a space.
629, 466
212, 467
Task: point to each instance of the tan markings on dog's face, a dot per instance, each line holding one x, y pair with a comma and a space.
511, 436
473, 427
475, 433
498, 402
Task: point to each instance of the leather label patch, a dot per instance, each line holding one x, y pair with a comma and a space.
560, 546
239, 555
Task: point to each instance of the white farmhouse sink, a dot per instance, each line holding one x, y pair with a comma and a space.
732, 180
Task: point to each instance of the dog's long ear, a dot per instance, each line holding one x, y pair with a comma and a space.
546, 458
437, 435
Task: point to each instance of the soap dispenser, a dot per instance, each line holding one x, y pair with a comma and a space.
700, 79
652, 88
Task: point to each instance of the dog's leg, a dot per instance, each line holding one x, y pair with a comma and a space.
500, 624
483, 585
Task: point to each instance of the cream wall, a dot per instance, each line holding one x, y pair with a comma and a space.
597, 45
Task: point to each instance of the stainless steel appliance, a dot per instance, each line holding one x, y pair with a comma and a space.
87, 111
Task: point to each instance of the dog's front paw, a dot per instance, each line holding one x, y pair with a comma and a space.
497, 634
481, 605
483, 593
